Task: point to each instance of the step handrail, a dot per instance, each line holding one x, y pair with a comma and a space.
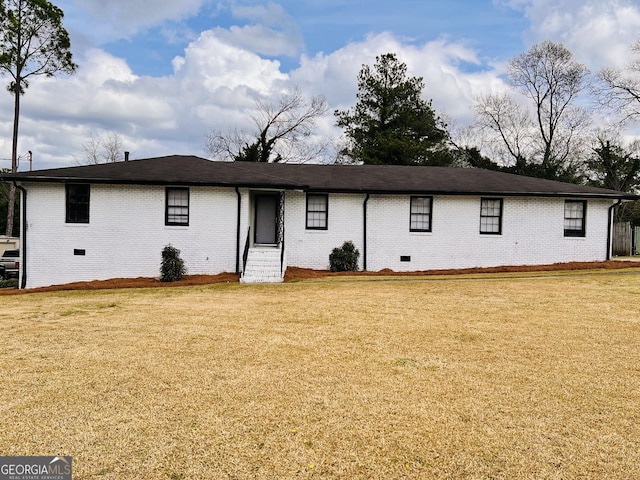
245, 255
282, 254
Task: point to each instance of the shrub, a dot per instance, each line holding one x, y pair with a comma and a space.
9, 283
172, 268
344, 258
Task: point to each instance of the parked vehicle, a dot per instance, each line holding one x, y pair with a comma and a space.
10, 260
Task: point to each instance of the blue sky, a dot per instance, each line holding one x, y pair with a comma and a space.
494, 30
163, 74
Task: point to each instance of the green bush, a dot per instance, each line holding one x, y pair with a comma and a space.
9, 283
172, 268
344, 258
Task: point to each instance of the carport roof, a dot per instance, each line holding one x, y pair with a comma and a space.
380, 179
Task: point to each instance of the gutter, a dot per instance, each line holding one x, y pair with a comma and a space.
320, 189
23, 235
479, 193
364, 248
610, 226
238, 231
156, 182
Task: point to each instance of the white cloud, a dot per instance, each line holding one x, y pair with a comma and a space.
598, 32
214, 83
118, 19
103, 89
212, 65
272, 31
261, 40
270, 14
214, 86
438, 62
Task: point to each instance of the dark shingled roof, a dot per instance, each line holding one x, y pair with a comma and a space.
191, 170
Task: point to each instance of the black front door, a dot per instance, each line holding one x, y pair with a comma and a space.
266, 224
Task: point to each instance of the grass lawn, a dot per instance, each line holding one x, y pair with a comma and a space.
472, 378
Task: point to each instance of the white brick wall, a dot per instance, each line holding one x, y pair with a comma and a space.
126, 233
311, 248
532, 233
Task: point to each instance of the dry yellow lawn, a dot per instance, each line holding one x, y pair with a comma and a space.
447, 378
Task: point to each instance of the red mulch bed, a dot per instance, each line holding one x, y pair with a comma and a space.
295, 273
140, 282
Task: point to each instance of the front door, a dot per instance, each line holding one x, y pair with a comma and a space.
266, 218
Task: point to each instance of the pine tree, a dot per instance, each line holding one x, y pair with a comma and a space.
391, 123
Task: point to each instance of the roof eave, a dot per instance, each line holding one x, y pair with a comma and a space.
293, 186
613, 196
190, 183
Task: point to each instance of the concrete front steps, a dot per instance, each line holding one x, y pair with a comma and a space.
263, 266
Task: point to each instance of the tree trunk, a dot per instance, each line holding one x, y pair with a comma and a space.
14, 158
10, 210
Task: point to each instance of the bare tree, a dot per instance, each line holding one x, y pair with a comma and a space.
283, 131
511, 126
106, 148
468, 147
619, 88
548, 75
545, 138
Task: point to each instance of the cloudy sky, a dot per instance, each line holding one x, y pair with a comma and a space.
163, 73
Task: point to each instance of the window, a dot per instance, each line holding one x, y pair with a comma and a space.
77, 203
317, 211
574, 218
420, 214
491, 216
177, 211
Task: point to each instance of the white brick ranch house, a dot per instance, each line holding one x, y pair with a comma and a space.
113, 220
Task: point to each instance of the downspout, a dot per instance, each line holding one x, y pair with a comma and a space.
609, 227
23, 234
238, 231
364, 248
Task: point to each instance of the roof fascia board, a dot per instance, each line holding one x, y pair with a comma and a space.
307, 188
625, 196
102, 181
